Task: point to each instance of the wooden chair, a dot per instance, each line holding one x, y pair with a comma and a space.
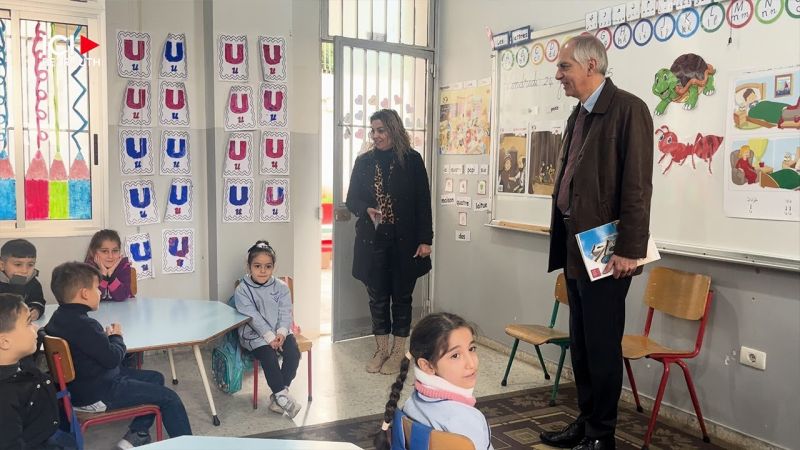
59, 359
540, 334
678, 294
134, 285
417, 436
303, 344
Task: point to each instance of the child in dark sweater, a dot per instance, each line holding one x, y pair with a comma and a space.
29, 414
18, 274
100, 382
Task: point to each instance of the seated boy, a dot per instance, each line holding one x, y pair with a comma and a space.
100, 382
28, 405
18, 275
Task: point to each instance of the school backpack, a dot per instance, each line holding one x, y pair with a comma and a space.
229, 361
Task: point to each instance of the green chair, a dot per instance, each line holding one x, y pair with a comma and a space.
540, 334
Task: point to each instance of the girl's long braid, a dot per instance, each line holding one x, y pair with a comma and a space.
382, 440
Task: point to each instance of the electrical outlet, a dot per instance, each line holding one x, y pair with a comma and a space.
753, 358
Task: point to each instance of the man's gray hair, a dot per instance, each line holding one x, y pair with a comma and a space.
589, 47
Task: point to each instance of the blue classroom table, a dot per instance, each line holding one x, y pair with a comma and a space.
228, 443
163, 324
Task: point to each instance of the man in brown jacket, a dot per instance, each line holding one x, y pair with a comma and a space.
605, 175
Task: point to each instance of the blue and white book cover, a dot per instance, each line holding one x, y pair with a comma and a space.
597, 246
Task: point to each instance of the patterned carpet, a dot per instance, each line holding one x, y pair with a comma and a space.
516, 419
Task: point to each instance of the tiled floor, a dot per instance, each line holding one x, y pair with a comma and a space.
342, 389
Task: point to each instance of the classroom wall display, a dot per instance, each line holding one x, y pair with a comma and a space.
482, 204
175, 154
511, 163
237, 205
274, 102
762, 172
139, 199
275, 206
447, 200
239, 110
140, 254
239, 155
178, 251
173, 58
275, 151
136, 104
173, 105
232, 58
675, 152
272, 50
481, 187
694, 211
464, 118
8, 187
136, 152
180, 201
684, 81
448, 185
545, 143
133, 54
462, 186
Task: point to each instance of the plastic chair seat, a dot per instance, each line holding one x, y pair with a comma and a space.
535, 334
637, 346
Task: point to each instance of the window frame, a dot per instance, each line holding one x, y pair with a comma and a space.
97, 152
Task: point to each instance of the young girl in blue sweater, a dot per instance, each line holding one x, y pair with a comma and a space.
268, 302
443, 356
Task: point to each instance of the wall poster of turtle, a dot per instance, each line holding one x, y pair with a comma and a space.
762, 154
684, 81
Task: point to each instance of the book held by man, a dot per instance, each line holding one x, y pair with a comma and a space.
597, 246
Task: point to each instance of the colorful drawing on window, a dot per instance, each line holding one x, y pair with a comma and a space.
180, 201
8, 189
239, 155
173, 58
274, 153
275, 201
544, 147
703, 147
173, 107
139, 199
178, 251
133, 54
139, 249
37, 189
136, 152
683, 82
274, 101
136, 104
58, 189
273, 57
239, 111
768, 99
175, 158
232, 58
80, 189
238, 204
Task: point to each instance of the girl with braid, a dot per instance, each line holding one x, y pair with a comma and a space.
443, 356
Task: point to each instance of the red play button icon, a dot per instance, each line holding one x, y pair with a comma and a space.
87, 44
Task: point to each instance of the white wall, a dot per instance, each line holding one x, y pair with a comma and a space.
754, 307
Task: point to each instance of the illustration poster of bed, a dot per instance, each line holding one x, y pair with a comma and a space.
762, 145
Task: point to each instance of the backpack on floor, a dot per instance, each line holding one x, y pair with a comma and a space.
229, 362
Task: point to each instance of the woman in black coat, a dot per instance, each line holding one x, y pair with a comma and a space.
390, 194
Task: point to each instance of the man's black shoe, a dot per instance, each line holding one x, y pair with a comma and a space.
568, 437
596, 444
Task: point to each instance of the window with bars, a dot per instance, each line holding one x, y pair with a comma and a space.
392, 21
49, 176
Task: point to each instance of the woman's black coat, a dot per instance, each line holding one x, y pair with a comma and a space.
411, 197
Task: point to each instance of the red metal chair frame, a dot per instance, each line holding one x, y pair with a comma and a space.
666, 359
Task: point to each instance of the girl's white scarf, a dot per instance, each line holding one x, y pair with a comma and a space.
437, 387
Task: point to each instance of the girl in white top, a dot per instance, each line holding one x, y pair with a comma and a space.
443, 356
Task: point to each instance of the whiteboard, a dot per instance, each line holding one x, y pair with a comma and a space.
688, 206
